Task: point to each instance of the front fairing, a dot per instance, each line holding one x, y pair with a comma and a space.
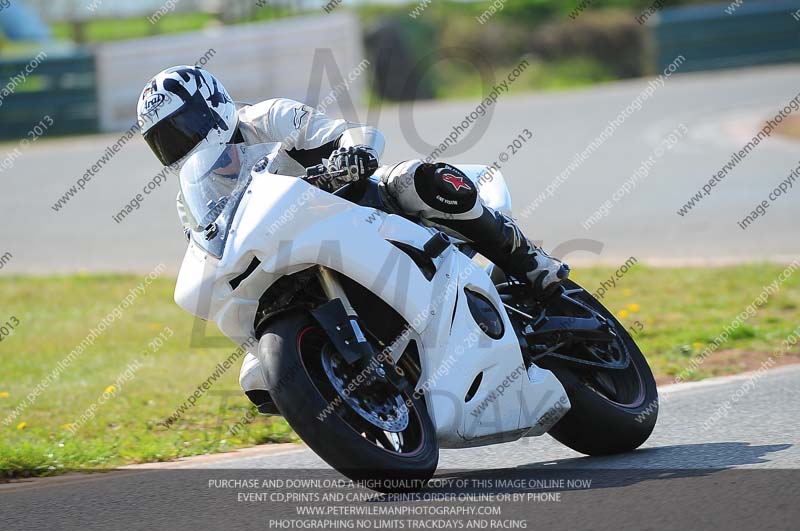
288, 225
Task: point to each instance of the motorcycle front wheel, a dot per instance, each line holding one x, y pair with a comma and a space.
364, 428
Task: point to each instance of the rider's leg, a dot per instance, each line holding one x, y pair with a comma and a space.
443, 195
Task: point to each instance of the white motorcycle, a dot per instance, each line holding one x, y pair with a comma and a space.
382, 340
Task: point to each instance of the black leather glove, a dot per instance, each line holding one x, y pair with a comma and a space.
359, 161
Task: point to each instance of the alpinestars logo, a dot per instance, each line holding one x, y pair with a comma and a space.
299, 113
457, 182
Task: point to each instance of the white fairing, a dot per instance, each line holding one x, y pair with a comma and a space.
289, 226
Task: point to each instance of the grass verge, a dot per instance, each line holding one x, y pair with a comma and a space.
675, 312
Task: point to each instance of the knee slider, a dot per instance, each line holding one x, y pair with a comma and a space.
445, 188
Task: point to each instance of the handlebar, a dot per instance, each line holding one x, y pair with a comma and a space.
319, 172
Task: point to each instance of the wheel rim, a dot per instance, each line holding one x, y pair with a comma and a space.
397, 429
380, 406
606, 369
624, 388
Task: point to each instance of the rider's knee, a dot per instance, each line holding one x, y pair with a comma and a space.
436, 190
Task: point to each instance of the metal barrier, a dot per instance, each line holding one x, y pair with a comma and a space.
60, 86
729, 34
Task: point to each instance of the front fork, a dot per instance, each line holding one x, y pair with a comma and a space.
334, 291
340, 321
333, 288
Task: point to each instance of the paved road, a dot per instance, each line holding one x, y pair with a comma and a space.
720, 111
740, 474
759, 432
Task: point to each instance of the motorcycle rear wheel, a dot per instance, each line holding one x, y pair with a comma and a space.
613, 411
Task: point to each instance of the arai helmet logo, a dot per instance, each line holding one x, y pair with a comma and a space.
154, 102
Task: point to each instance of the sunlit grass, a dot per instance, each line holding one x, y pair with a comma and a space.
682, 310
456, 79
55, 315
102, 30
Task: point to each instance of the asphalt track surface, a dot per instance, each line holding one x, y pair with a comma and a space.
720, 113
739, 472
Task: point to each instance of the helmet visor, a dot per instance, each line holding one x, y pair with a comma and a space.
173, 137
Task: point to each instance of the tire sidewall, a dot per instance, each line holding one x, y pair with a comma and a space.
597, 426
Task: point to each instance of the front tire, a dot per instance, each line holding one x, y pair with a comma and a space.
292, 351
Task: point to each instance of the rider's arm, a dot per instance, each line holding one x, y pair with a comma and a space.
308, 134
363, 135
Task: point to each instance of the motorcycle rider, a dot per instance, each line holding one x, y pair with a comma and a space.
184, 109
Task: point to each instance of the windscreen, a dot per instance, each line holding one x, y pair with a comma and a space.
212, 184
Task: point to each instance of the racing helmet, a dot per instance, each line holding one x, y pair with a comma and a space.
182, 109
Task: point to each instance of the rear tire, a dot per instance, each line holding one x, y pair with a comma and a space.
596, 425
288, 351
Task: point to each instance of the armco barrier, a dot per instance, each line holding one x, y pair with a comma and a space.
757, 32
61, 86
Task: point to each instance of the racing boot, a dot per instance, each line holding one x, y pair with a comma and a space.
498, 238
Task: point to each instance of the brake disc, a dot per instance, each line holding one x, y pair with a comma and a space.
374, 403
